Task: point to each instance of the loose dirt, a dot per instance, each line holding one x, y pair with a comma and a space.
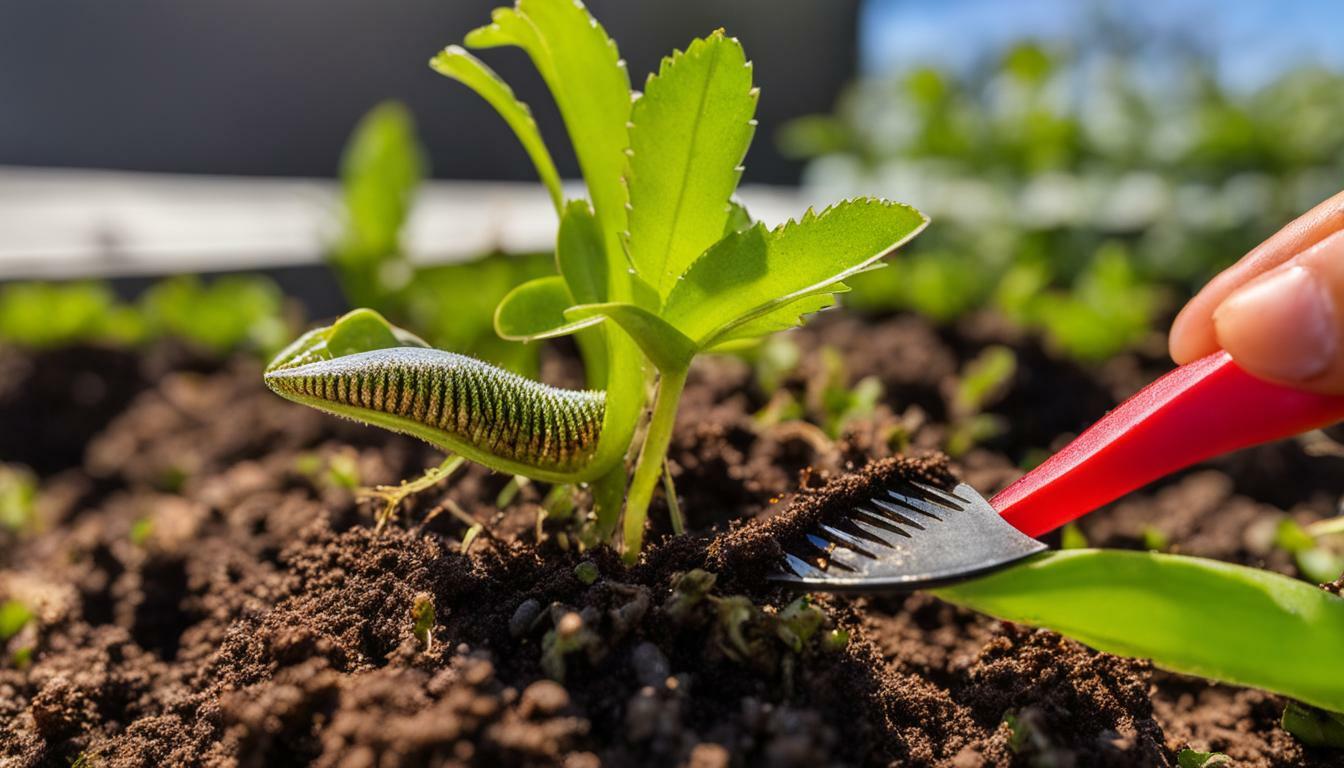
209, 592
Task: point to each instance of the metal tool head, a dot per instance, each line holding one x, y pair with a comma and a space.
911, 537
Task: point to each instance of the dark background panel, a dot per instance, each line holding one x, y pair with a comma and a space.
261, 87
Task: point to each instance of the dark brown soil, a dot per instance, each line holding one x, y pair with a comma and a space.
209, 592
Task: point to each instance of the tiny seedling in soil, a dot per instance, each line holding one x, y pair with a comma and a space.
657, 266
18, 498
1189, 758
422, 621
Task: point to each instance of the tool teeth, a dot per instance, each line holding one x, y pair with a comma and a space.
910, 537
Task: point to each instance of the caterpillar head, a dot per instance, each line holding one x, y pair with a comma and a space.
362, 330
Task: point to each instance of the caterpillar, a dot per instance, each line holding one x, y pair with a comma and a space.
462, 404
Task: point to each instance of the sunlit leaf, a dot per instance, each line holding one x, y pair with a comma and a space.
688, 135
536, 310
1270, 631
752, 273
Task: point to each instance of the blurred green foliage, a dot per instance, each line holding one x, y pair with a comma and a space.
451, 305
1082, 191
44, 315
18, 498
227, 314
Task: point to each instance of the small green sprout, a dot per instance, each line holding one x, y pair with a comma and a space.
336, 470
586, 572
1189, 758
1072, 537
1314, 727
689, 589
1154, 540
14, 616
832, 402
18, 498
983, 381
799, 622
422, 621
1315, 559
835, 640
655, 268
142, 530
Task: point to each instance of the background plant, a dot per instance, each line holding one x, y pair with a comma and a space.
217, 317
1081, 190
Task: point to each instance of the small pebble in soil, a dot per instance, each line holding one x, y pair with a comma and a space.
525, 617
650, 665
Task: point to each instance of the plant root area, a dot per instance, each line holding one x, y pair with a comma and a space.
207, 589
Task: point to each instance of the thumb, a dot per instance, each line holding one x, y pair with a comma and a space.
1287, 325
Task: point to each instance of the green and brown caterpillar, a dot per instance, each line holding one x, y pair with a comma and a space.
363, 369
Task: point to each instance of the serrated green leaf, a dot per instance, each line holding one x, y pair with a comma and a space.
754, 272
664, 345
786, 316
688, 135
1274, 632
460, 65
536, 310
738, 218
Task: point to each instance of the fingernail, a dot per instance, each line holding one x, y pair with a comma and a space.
1280, 326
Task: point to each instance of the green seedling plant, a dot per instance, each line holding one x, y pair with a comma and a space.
657, 266
982, 382
1316, 547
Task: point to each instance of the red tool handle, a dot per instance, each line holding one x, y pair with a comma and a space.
1197, 411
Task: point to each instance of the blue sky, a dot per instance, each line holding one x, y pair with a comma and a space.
1252, 39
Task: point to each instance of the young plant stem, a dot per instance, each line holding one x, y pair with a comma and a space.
650, 465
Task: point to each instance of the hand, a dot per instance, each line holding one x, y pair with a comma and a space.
1280, 310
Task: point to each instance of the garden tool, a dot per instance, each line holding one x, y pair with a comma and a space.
917, 536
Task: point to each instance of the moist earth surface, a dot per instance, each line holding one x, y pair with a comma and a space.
209, 590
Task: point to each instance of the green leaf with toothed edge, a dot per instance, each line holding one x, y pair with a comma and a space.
689, 132
460, 65
1190, 615
738, 218
536, 310
752, 273
789, 315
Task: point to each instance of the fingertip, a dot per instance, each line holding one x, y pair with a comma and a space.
1192, 334
1281, 326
